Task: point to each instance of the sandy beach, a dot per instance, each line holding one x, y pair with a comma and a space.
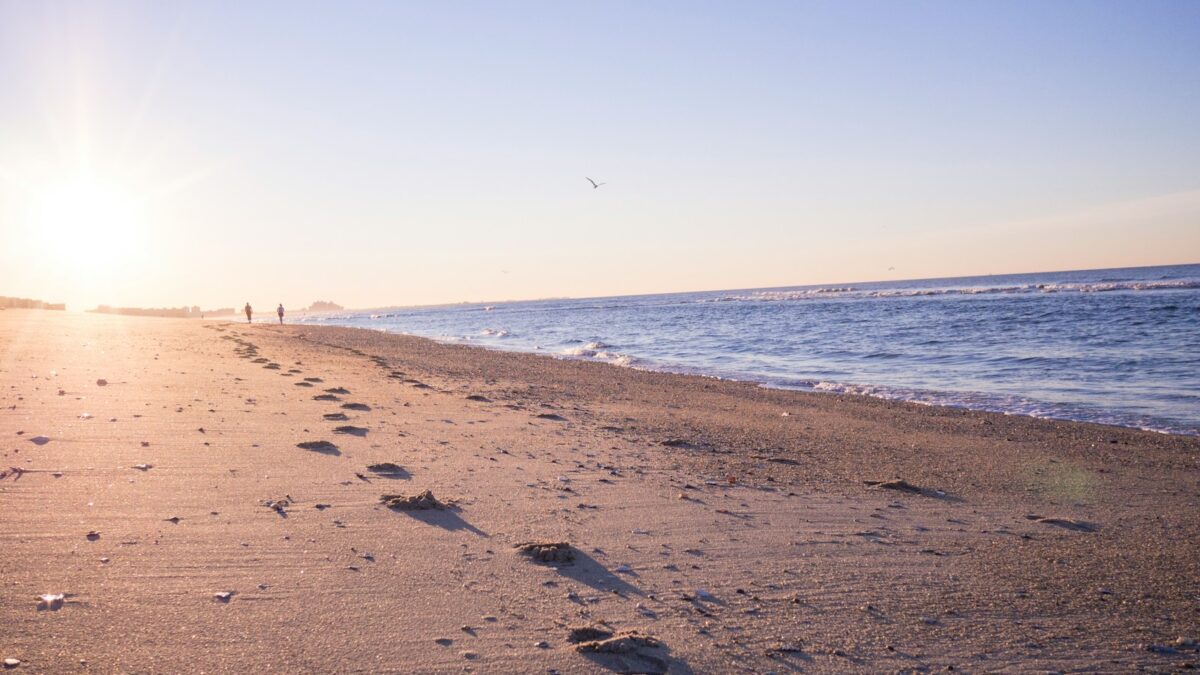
211, 497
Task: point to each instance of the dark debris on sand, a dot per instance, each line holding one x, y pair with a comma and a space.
621, 643
548, 552
421, 502
385, 468
634, 653
897, 484
1067, 523
279, 505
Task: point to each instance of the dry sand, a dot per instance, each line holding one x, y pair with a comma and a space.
712, 526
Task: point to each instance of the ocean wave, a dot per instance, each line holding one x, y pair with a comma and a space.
997, 403
598, 351
589, 350
1035, 336
851, 292
800, 294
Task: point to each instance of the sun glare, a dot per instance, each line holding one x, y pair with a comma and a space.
85, 225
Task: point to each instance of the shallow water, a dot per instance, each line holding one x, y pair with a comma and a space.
1118, 346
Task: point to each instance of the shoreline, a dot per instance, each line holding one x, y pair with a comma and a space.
699, 514
836, 388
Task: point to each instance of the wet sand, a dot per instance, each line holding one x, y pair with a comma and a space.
243, 516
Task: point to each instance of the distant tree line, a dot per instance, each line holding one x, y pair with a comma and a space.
193, 312
324, 306
26, 303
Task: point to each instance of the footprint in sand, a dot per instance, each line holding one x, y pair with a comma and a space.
326, 397
324, 447
388, 470
627, 652
352, 431
338, 417
1066, 523
313, 379
356, 406
303, 384
337, 390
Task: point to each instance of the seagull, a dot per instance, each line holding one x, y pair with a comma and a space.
594, 183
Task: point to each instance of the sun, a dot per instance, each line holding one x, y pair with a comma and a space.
85, 224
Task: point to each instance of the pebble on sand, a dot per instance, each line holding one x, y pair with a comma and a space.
12, 663
51, 601
279, 505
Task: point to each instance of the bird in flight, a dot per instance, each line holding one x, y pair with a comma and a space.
594, 183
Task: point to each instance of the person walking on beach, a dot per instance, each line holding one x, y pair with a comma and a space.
249, 311
279, 311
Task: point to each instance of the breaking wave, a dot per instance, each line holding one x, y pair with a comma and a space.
850, 292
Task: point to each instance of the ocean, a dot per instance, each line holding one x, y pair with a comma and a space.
1115, 346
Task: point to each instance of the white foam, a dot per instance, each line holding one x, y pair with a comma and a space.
998, 403
1096, 287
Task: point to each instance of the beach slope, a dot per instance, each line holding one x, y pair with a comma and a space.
220, 497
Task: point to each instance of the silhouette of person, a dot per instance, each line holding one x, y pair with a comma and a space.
249, 311
279, 311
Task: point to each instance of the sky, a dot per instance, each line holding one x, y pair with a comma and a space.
393, 153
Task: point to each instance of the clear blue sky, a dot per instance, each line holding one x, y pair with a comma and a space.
399, 153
